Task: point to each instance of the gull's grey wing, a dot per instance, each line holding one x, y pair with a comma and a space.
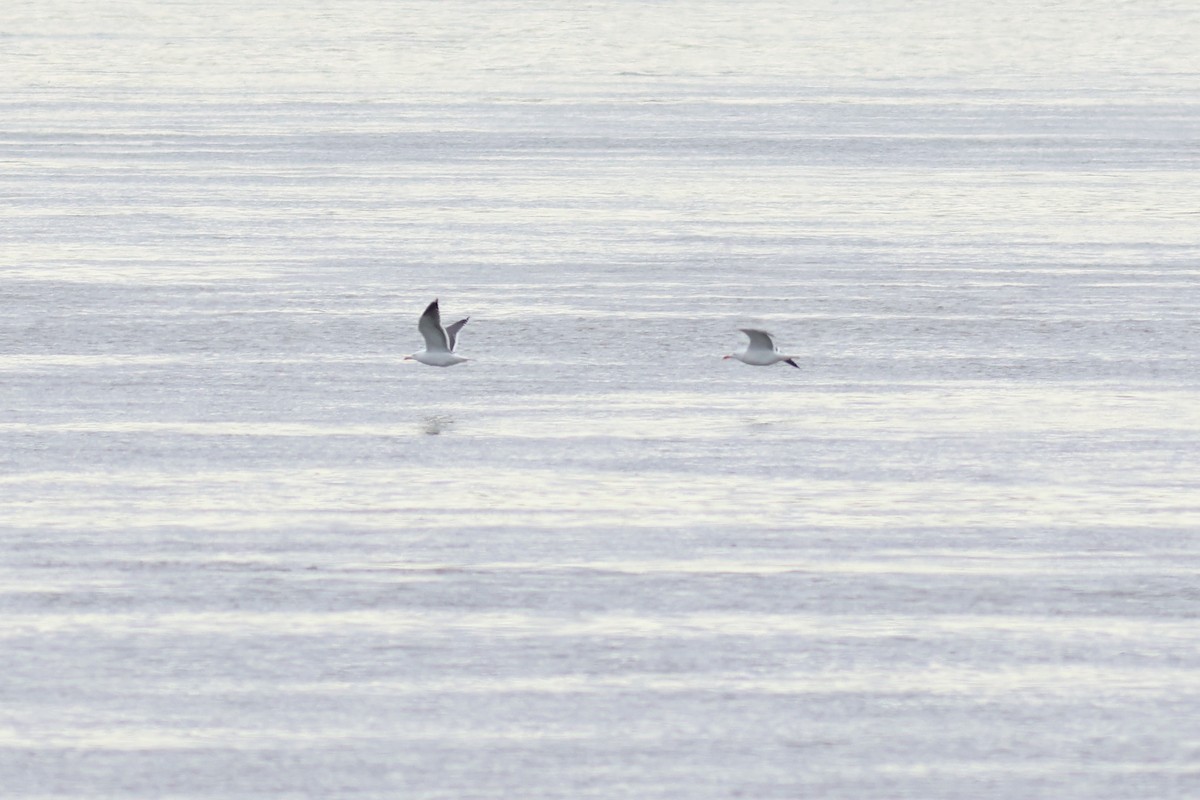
431, 328
759, 340
452, 331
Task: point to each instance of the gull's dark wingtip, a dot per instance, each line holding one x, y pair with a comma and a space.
790, 361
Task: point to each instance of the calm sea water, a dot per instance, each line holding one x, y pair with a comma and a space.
249, 552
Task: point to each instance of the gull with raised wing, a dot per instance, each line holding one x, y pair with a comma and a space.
760, 351
439, 341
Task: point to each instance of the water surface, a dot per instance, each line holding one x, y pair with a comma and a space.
250, 552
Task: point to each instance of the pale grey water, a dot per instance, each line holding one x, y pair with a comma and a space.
250, 553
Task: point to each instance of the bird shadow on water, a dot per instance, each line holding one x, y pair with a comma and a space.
763, 424
436, 424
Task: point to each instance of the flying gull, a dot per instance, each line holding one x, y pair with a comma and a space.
439, 341
760, 351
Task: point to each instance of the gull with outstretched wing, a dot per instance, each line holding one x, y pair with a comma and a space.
439, 341
761, 351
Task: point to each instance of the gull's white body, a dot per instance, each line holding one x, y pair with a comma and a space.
439, 341
760, 351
